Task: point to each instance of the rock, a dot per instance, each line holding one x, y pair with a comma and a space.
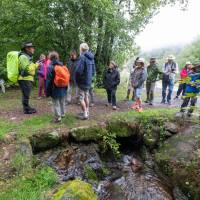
136, 165
179, 159
75, 190
45, 141
171, 127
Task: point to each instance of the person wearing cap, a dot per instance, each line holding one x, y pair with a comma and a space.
84, 74
138, 78
182, 81
192, 89
152, 76
27, 71
130, 88
170, 69
111, 79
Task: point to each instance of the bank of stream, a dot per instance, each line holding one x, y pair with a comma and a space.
127, 167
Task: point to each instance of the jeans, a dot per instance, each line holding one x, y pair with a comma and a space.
111, 95
170, 85
59, 106
150, 87
42, 86
26, 87
181, 89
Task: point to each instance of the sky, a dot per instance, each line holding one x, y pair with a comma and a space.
171, 26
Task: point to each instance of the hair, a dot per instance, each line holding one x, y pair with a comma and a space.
53, 55
84, 47
73, 52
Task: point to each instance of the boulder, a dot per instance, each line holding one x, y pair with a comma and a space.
179, 158
171, 127
75, 190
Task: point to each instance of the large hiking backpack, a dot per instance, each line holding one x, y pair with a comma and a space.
62, 76
13, 66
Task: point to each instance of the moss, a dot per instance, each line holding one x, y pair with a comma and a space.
75, 190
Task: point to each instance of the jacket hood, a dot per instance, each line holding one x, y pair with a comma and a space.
57, 62
89, 55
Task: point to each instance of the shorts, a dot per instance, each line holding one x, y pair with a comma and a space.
82, 94
138, 92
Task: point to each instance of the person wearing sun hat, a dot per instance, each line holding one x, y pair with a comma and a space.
138, 78
192, 89
170, 69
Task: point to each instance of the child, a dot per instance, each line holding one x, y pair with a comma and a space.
58, 93
111, 80
138, 78
182, 83
192, 89
42, 76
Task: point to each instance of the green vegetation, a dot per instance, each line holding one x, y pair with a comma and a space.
31, 185
90, 174
6, 127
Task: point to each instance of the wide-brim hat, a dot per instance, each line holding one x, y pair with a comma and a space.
141, 60
27, 45
153, 59
188, 63
171, 57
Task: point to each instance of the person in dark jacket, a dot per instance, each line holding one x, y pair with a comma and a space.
58, 94
72, 66
84, 75
111, 80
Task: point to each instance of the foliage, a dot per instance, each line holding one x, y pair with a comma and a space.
109, 26
29, 186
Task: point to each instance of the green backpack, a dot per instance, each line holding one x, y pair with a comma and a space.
13, 66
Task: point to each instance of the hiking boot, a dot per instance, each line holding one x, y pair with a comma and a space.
147, 101
30, 111
114, 107
163, 101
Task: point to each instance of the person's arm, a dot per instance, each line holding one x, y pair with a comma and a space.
80, 66
49, 81
142, 78
118, 78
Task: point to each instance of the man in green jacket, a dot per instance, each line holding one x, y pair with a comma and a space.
152, 76
27, 71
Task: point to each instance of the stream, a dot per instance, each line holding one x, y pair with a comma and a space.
134, 176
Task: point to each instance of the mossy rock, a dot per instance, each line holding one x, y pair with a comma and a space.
179, 158
75, 190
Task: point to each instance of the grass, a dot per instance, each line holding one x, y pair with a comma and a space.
30, 186
6, 127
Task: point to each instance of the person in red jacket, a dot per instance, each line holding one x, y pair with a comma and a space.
182, 84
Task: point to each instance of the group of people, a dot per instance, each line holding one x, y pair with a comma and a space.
52, 83
59, 81
189, 83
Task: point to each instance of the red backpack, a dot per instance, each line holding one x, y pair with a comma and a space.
62, 76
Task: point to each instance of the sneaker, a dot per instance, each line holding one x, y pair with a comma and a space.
57, 120
30, 111
84, 116
151, 104
39, 98
114, 107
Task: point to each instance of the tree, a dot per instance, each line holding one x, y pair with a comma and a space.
109, 26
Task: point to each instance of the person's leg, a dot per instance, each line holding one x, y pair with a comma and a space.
180, 89
26, 87
133, 94
62, 106
56, 108
40, 80
69, 94
113, 99
148, 87
128, 93
83, 102
164, 88
91, 92
151, 93
192, 105
170, 91
109, 96
184, 89
87, 101
185, 103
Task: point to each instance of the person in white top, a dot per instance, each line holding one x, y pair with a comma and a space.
170, 69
